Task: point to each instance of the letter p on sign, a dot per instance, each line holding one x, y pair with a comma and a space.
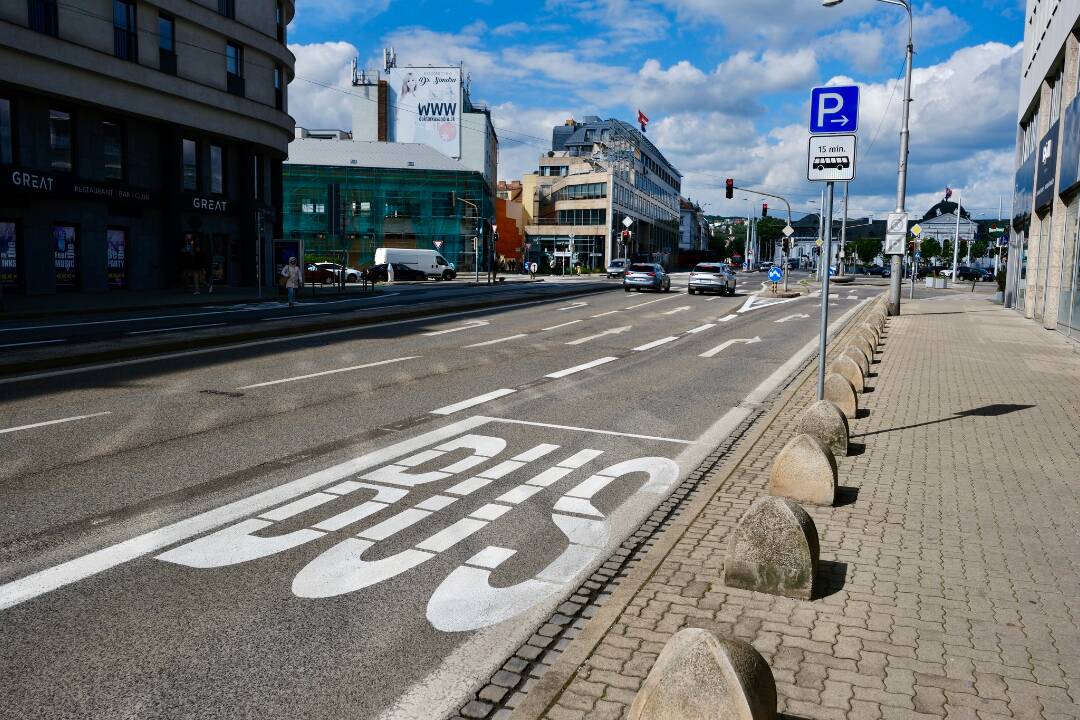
834, 109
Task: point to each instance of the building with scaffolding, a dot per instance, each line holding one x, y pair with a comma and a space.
603, 191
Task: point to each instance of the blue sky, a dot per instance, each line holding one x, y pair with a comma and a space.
725, 82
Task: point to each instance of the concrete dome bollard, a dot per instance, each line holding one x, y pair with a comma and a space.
840, 392
863, 343
699, 675
849, 369
804, 471
827, 423
859, 356
774, 549
872, 338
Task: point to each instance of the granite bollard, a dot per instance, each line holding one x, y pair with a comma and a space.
825, 421
859, 356
774, 549
804, 471
850, 370
840, 392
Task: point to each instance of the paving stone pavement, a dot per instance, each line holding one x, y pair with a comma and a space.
949, 570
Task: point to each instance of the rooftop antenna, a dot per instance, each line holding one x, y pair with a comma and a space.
389, 59
355, 74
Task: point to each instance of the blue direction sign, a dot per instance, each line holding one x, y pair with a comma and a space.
775, 274
834, 109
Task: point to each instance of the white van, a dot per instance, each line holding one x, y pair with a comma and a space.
429, 262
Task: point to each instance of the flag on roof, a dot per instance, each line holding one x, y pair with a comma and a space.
948, 192
642, 120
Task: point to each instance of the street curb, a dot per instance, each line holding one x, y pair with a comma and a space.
551, 684
148, 351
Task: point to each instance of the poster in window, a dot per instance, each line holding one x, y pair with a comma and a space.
65, 257
9, 258
116, 257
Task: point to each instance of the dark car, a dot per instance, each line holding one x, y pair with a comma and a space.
377, 273
876, 270
974, 273
320, 274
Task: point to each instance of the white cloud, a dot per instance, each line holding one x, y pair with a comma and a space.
319, 96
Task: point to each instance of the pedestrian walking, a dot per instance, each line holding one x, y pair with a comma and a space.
187, 264
291, 273
199, 267
389, 273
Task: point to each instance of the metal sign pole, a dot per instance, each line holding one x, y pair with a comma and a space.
825, 256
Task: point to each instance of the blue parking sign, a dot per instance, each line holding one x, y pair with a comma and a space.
834, 109
775, 274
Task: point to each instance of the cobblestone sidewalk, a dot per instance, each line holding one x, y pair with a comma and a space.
950, 567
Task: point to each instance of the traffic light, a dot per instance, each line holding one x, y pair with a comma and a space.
729, 188
764, 209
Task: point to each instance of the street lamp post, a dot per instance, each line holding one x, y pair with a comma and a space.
901, 172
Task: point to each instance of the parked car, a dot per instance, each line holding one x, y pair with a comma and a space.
974, 273
616, 268
764, 266
712, 277
378, 273
876, 270
428, 262
320, 274
646, 276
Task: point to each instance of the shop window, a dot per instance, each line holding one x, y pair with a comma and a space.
7, 140
112, 145
190, 162
217, 170
125, 31
43, 16
234, 69
65, 257
167, 44
60, 146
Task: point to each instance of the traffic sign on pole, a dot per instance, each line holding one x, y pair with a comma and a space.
775, 274
788, 231
834, 109
831, 158
896, 233
916, 230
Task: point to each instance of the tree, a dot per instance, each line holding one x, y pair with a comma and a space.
866, 249
931, 248
979, 248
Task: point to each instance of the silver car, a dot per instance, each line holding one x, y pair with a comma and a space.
712, 277
616, 268
646, 276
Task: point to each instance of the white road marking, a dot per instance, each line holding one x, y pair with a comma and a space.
556, 327
728, 318
473, 402
728, 343
684, 308
328, 372
612, 331
496, 342
655, 343
756, 302
580, 368
573, 306
299, 316
53, 578
169, 329
590, 430
471, 325
35, 342
52, 422
796, 316
650, 302
604, 314
701, 328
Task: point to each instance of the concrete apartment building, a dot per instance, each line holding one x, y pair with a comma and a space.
129, 128
1044, 257
597, 173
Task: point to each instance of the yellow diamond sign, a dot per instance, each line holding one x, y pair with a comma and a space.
916, 230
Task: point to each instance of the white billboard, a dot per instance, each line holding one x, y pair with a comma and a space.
427, 107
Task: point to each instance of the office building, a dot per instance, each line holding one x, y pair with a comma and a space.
129, 129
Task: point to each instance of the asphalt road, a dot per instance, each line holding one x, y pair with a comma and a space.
358, 524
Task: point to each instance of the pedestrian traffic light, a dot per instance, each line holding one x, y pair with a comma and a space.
764, 209
729, 188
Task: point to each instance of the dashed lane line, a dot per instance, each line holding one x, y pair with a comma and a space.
581, 368
656, 343
53, 422
473, 402
169, 329
328, 372
498, 340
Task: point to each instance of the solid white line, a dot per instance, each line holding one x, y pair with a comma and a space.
327, 372
556, 327
650, 302
728, 318
257, 343
473, 324
181, 327
701, 328
580, 368
52, 422
36, 342
496, 342
44, 581
609, 312
293, 317
592, 430
472, 402
655, 343
573, 306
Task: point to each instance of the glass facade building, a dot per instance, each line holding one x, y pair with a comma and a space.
349, 211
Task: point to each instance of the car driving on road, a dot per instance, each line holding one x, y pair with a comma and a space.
646, 276
712, 277
616, 268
